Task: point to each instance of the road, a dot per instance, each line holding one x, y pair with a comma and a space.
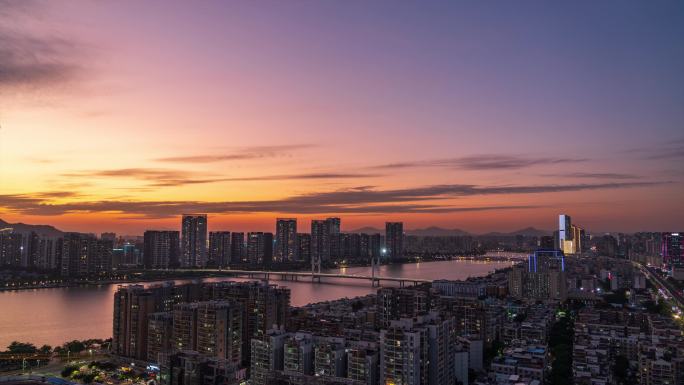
655, 277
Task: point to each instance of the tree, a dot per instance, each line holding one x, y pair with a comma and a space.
21, 348
45, 349
75, 346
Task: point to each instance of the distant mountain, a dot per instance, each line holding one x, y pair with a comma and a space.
429, 231
367, 230
42, 230
529, 231
436, 232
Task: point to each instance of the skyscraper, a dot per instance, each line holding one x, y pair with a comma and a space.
219, 248
304, 246
565, 234
325, 238
161, 249
194, 240
286, 240
259, 248
318, 243
672, 250
237, 247
394, 239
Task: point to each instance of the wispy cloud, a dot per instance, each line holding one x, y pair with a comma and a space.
163, 177
595, 175
482, 162
671, 150
31, 60
254, 152
428, 199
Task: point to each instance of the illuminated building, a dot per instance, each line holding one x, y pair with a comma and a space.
304, 246
159, 331
672, 250
267, 352
237, 247
286, 240
394, 239
219, 248
260, 248
194, 240
161, 249
325, 238
219, 330
298, 354
565, 234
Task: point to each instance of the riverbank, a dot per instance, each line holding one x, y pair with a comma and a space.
77, 313
165, 275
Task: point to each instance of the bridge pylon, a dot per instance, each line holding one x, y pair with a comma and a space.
315, 267
375, 263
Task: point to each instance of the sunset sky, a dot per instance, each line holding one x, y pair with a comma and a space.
485, 116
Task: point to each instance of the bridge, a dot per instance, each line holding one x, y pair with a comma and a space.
315, 275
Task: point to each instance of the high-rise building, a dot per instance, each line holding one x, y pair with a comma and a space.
83, 254
543, 278
161, 249
325, 240
318, 239
108, 237
565, 234
672, 250
363, 362
298, 354
267, 353
219, 329
330, 359
375, 246
286, 240
132, 308
10, 248
184, 335
404, 354
304, 246
394, 303
219, 248
394, 240
418, 350
159, 332
237, 247
194, 240
264, 306
260, 248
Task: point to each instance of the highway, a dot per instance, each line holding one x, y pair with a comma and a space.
655, 277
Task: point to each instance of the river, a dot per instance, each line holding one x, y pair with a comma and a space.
54, 316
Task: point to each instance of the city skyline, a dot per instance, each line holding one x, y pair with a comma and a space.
473, 116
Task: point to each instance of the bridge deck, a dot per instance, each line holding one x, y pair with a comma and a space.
309, 274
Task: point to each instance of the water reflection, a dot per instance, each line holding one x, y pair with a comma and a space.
53, 316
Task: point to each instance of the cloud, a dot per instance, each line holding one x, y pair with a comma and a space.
670, 150
30, 59
162, 177
364, 200
595, 175
247, 153
322, 175
482, 162
157, 177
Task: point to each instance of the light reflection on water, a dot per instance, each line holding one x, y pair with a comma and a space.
54, 316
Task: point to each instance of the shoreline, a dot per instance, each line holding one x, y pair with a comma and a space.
201, 275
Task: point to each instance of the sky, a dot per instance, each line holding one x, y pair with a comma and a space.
482, 116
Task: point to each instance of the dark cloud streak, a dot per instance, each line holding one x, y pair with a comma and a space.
247, 153
482, 162
362, 200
